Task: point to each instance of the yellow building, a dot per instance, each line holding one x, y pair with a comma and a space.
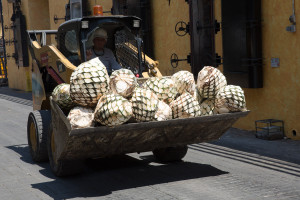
277, 98
39, 15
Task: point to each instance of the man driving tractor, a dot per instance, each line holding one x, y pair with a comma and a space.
104, 54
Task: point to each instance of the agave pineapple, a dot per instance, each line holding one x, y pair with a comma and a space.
61, 95
144, 104
185, 106
207, 107
123, 82
164, 112
184, 81
89, 82
113, 110
230, 99
81, 117
163, 87
197, 96
210, 81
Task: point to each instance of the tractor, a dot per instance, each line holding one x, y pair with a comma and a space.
50, 136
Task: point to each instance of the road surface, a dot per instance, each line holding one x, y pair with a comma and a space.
238, 166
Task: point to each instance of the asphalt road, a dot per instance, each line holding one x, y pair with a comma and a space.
236, 167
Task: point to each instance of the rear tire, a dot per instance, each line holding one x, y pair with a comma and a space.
170, 154
62, 167
37, 130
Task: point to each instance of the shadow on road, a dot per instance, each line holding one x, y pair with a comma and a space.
23, 151
120, 173
104, 176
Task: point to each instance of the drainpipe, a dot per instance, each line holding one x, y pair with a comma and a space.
292, 19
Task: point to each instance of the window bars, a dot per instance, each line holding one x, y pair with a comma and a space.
127, 51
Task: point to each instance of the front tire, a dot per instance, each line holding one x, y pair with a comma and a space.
170, 154
37, 130
61, 167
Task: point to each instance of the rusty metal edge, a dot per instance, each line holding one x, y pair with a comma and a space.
58, 111
154, 124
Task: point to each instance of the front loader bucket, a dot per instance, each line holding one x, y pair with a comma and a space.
104, 141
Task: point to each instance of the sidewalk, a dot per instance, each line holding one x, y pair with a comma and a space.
15, 93
285, 149
17, 96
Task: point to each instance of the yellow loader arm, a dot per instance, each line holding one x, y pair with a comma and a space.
50, 57
49, 68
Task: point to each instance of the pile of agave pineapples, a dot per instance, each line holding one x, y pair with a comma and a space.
93, 98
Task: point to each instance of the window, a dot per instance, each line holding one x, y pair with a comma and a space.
69, 47
71, 41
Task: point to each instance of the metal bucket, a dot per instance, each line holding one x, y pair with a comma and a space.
134, 137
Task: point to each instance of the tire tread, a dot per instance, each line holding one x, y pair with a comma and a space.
42, 120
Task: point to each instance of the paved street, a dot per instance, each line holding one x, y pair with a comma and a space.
238, 166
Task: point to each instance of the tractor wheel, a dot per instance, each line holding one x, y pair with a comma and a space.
61, 167
170, 154
37, 130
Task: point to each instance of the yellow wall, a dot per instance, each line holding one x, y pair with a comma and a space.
57, 8
280, 96
39, 16
165, 40
18, 78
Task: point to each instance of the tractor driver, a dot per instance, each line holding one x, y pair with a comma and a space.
104, 54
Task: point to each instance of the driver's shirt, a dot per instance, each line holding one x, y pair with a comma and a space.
107, 58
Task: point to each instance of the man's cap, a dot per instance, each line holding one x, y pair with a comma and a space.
101, 33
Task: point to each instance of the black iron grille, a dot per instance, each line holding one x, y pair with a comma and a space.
127, 51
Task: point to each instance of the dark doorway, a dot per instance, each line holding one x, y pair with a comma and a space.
242, 42
203, 28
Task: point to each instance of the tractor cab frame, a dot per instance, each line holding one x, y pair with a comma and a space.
74, 37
